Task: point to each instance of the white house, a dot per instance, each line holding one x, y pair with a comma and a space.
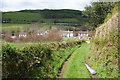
82, 34
22, 34
42, 32
66, 33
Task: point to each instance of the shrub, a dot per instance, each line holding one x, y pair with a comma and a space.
53, 36
33, 61
9, 39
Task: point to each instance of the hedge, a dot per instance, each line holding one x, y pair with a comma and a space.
34, 61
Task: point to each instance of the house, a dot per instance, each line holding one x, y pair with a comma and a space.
83, 34
42, 32
66, 33
2, 35
23, 34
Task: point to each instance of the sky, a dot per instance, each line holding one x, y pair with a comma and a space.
16, 5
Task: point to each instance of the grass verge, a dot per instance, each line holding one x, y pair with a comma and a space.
76, 69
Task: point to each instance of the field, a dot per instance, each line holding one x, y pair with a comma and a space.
21, 45
15, 27
44, 16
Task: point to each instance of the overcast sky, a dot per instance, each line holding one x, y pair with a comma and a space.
15, 5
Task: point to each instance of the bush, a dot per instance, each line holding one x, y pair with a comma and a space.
35, 61
9, 39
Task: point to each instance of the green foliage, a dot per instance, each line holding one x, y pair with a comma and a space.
105, 55
40, 61
105, 50
104, 60
114, 38
109, 15
113, 11
100, 42
97, 12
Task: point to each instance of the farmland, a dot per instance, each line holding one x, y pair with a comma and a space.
21, 27
13, 27
44, 16
46, 19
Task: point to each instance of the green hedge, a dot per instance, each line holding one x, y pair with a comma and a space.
40, 61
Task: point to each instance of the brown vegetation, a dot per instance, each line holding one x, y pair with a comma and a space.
52, 36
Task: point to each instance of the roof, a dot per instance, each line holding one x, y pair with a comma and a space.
67, 32
41, 31
83, 32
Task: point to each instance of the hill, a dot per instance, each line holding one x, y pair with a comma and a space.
44, 16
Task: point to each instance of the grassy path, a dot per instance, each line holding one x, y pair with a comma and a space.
74, 68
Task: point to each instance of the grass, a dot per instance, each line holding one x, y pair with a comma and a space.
76, 69
68, 20
26, 44
22, 45
47, 26
70, 39
14, 27
19, 16
59, 58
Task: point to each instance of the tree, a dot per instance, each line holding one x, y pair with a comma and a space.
97, 12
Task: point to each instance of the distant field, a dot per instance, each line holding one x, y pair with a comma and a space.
22, 16
27, 44
14, 27
22, 19
68, 20
28, 17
